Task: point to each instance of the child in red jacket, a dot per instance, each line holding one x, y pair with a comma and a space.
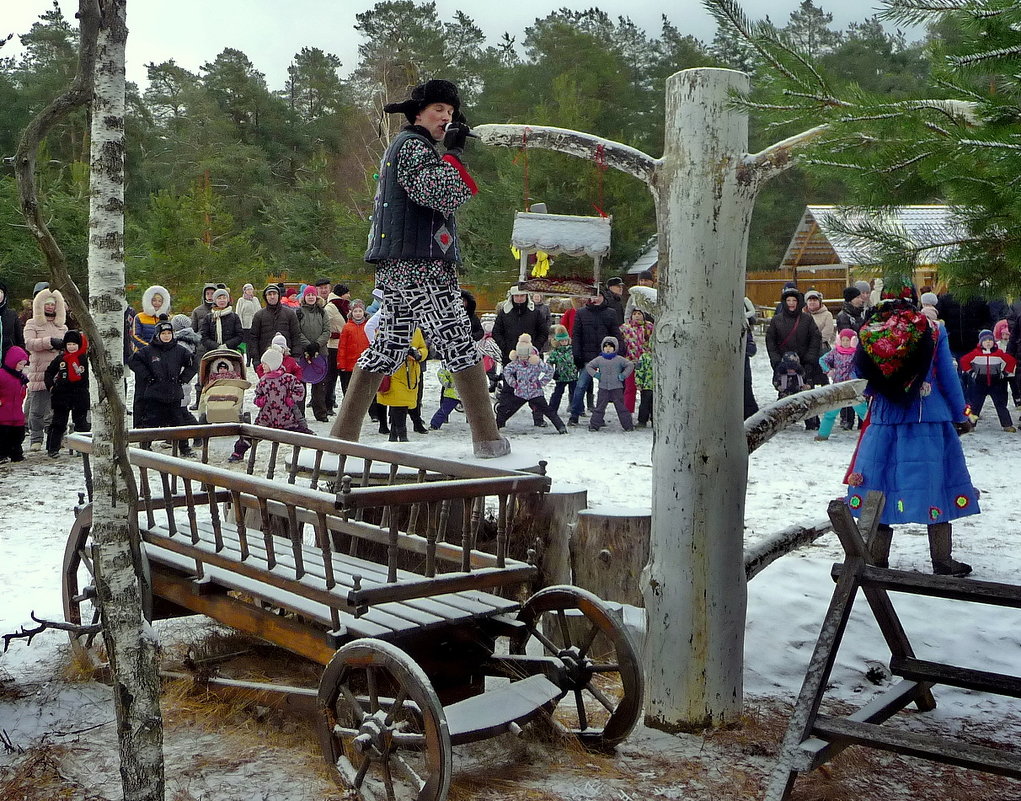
990, 369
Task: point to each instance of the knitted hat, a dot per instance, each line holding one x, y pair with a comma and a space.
850, 293
847, 332
310, 291
73, 336
342, 289
1001, 330
645, 275
247, 287
162, 325
221, 293
525, 350
279, 341
985, 333
272, 359
790, 292
39, 287
814, 293
609, 341
863, 287
357, 303
929, 299
434, 91
180, 321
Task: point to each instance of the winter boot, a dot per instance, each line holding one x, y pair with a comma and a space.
416, 419
361, 391
879, 546
940, 548
398, 424
478, 408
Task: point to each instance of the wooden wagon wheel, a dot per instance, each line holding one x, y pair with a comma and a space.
78, 589
602, 699
381, 725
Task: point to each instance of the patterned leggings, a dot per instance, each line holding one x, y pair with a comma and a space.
438, 311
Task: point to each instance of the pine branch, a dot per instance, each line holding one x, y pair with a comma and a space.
989, 55
919, 12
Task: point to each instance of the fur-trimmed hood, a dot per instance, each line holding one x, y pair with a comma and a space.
156, 289
39, 303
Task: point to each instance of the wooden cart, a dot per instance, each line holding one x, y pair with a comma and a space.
377, 577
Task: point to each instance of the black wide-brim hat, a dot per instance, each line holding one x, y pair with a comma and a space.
434, 91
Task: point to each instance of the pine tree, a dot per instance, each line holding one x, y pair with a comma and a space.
955, 143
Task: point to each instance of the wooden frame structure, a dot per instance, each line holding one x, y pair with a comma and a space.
560, 234
380, 579
813, 739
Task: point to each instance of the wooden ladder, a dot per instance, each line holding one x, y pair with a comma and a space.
813, 739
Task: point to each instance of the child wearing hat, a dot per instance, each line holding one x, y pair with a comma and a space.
838, 364
13, 388
610, 370
565, 376
278, 395
161, 369
990, 370
67, 379
449, 398
525, 374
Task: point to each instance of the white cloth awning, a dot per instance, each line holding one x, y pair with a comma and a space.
561, 233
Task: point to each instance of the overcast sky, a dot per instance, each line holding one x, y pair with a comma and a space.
195, 31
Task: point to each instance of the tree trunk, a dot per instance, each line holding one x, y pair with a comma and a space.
129, 641
608, 552
694, 583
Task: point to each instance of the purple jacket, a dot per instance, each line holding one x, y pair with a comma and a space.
527, 380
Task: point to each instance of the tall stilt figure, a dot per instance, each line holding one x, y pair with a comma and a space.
413, 243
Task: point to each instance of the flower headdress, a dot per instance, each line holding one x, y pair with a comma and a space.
896, 344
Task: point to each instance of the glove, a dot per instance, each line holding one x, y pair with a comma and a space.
312, 350
455, 137
414, 354
965, 427
56, 343
289, 402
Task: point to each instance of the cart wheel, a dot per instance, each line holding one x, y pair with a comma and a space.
381, 725
79, 592
603, 695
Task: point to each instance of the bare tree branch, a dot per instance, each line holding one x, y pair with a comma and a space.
27, 634
761, 426
779, 157
613, 154
78, 94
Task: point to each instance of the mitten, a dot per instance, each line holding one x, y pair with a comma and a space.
289, 402
455, 137
56, 343
312, 350
260, 401
414, 354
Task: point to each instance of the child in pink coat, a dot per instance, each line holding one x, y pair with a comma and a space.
13, 388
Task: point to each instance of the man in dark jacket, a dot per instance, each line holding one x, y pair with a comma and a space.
592, 324
11, 332
613, 296
852, 313
274, 318
794, 330
515, 317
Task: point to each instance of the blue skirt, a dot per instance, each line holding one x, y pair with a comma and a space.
920, 469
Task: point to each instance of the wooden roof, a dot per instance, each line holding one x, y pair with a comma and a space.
561, 233
815, 243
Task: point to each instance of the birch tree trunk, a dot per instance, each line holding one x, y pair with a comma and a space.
694, 583
129, 642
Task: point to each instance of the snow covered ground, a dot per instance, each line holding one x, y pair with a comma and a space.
791, 479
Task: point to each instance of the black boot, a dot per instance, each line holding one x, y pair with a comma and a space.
941, 547
398, 423
879, 546
416, 418
383, 427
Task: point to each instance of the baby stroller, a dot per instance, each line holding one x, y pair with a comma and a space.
223, 380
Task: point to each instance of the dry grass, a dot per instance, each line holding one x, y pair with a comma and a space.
38, 777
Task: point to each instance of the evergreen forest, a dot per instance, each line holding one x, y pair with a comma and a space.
231, 179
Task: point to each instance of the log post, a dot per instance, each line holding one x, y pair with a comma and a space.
545, 522
608, 552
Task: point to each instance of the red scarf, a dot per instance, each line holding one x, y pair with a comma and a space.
75, 367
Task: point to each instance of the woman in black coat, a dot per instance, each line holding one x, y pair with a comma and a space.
518, 316
161, 368
221, 327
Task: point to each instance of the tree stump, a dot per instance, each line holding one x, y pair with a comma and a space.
608, 552
545, 522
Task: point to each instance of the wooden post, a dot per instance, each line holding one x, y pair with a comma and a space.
546, 522
608, 551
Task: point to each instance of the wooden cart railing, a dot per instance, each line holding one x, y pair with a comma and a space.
254, 526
